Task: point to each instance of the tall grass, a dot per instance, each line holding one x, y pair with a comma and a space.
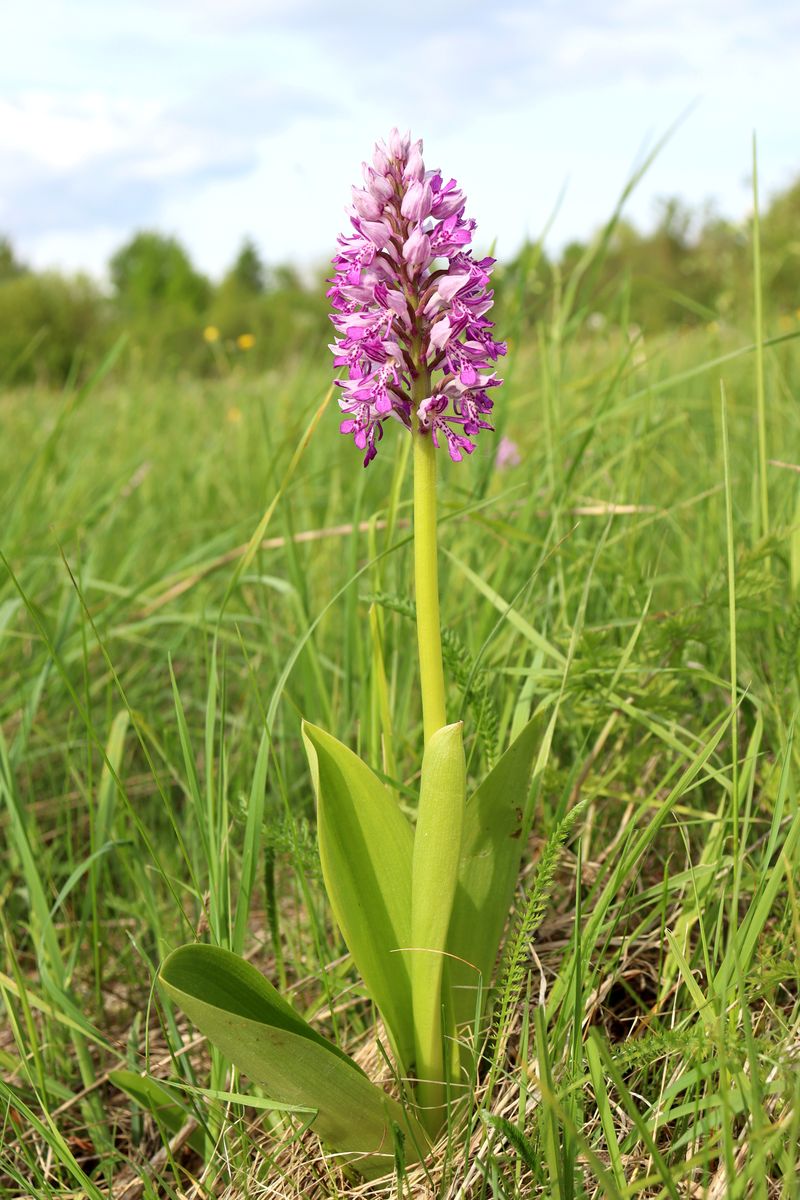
189, 568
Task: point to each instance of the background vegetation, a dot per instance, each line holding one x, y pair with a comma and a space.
192, 563
691, 271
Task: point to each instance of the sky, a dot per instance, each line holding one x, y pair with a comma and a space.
213, 120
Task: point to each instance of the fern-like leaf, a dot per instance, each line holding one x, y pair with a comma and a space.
513, 968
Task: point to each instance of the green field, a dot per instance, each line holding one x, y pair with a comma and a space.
192, 566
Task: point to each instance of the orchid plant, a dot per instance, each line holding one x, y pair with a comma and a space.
421, 906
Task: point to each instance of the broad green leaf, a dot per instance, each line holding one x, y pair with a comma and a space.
242, 1014
365, 847
496, 828
435, 863
160, 1102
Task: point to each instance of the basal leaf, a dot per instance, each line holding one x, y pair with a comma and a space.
496, 827
437, 850
365, 847
253, 1026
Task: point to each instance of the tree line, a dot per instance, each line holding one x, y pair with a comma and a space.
693, 267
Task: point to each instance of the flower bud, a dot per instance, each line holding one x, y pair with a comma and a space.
379, 186
399, 144
417, 248
450, 285
378, 232
366, 205
417, 201
415, 167
448, 201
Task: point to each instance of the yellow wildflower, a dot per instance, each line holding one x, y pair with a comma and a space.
234, 414
211, 333
245, 341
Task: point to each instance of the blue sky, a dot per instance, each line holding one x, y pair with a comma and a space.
213, 119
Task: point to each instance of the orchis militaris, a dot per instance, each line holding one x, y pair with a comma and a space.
411, 308
421, 907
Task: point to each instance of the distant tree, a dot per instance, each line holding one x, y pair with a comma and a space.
571, 255
248, 273
50, 324
675, 220
624, 238
286, 278
10, 266
780, 236
155, 271
780, 222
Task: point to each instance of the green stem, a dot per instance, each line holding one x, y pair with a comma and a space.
426, 572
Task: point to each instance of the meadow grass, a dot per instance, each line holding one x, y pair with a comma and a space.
192, 567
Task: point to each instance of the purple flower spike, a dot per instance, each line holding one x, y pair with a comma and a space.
411, 308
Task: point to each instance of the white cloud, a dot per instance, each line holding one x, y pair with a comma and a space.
78, 161
62, 133
216, 118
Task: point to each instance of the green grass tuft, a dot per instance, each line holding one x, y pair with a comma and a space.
191, 567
